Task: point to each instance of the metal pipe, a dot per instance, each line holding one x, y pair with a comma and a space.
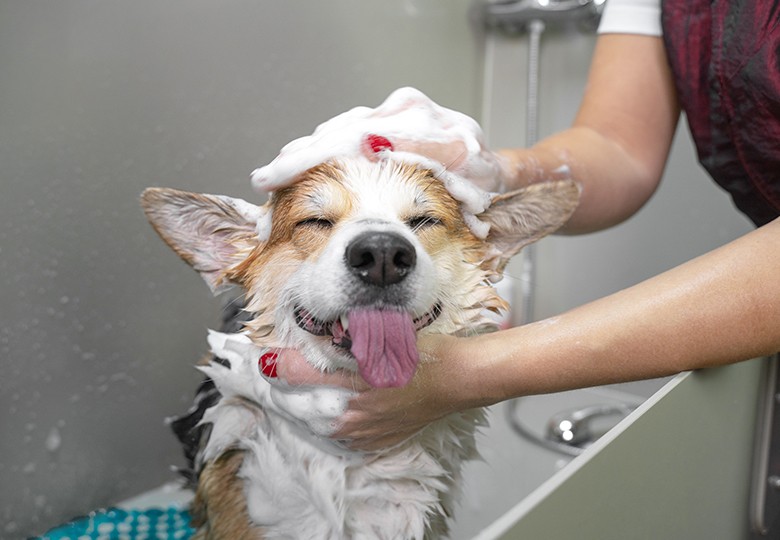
535, 29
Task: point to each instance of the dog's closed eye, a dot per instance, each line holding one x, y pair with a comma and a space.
422, 221
316, 223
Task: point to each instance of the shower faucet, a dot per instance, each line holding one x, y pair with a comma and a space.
576, 427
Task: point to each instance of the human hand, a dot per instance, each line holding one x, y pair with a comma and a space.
407, 127
376, 418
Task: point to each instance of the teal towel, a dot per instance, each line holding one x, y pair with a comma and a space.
117, 524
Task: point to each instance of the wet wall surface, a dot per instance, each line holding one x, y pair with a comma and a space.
100, 323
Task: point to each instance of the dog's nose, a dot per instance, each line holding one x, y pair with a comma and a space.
381, 258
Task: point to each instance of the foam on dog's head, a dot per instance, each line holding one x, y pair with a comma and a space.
365, 133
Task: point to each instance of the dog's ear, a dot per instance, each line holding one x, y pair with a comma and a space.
521, 217
211, 233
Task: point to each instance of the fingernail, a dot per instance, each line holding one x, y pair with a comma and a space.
267, 364
377, 143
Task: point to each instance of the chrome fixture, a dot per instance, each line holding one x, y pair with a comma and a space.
765, 489
578, 427
569, 432
516, 15
532, 17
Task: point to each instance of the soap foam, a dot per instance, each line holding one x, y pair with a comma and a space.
406, 115
314, 409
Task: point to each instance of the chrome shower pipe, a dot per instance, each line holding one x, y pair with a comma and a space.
533, 17
528, 273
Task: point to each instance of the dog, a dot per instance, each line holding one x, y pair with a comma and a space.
360, 258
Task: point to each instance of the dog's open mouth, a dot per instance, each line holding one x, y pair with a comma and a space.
383, 341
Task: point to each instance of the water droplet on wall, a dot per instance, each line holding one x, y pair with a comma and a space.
53, 440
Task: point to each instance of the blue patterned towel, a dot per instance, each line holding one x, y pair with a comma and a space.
117, 524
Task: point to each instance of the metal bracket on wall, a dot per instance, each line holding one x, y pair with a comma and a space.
514, 15
765, 491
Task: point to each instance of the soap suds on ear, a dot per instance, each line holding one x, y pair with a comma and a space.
409, 116
264, 223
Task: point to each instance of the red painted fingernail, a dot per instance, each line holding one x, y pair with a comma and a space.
267, 364
377, 143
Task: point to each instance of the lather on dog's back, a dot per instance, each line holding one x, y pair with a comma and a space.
361, 258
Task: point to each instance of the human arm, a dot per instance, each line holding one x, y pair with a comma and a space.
717, 309
616, 149
619, 141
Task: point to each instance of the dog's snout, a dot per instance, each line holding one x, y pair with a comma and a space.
381, 258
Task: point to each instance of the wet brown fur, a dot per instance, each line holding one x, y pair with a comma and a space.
219, 509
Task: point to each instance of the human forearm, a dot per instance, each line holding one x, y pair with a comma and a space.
614, 185
720, 308
619, 142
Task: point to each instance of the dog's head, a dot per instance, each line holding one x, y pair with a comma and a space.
360, 258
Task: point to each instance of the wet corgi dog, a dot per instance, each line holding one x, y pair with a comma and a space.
361, 258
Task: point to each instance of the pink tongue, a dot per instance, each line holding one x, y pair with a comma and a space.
384, 345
